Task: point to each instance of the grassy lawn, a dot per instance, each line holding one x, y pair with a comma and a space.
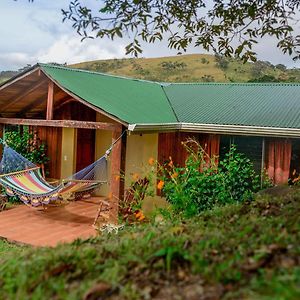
6, 247
245, 251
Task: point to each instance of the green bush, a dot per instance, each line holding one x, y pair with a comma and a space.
203, 183
24, 143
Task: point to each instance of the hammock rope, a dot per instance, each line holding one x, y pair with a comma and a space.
12, 161
22, 178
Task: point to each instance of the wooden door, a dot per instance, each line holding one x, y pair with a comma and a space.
85, 154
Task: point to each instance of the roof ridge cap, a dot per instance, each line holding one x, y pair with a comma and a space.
96, 73
237, 83
169, 101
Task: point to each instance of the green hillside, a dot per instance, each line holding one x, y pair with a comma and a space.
5, 75
187, 68
193, 68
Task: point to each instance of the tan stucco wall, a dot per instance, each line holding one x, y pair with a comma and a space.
68, 152
103, 141
68, 159
138, 151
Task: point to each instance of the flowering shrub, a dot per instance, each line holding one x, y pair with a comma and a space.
130, 208
203, 182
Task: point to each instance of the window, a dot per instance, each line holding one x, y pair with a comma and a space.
250, 146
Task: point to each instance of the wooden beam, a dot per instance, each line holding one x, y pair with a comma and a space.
115, 182
64, 101
50, 99
59, 123
30, 106
13, 101
18, 77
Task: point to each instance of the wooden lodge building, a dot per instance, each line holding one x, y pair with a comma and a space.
78, 114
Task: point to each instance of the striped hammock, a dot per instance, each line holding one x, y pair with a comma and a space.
33, 189
78, 186
29, 186
20, 177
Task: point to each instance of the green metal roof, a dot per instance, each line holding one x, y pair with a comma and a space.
252, 104
130, 100
144, 102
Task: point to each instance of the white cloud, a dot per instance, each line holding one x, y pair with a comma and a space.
67, 49
14, 60
72, 50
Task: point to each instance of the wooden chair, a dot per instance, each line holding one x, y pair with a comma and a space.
102, 213
3, 202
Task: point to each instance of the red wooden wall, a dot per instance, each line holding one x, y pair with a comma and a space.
170, 145
52, 137
75, 111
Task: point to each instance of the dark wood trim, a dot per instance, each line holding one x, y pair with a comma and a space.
50, 99
13, 101
19, 77
123, 163
116, 163
30, 106
64, 101
59, 123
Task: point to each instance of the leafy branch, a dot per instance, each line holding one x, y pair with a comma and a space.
230, 28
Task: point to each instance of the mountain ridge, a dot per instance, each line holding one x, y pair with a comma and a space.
186, 68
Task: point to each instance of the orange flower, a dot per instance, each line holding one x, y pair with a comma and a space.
135, 176
117, 177
160, 185
151, 161
141, 218
139, 215
174, 175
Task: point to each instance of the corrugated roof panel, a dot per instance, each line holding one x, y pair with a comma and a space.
132, 101
137, 101
273, 105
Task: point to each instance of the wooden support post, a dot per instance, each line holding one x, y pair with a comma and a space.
262, 168
123, 163
116, 160
49, 114
1, 136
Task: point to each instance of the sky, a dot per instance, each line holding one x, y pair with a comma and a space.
34, 32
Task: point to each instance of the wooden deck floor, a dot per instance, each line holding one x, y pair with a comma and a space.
56, 224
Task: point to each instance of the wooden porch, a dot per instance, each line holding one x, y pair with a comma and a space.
34, 99
50, 227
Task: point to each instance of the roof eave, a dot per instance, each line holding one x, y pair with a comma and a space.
19, 76
217, 129
85, 102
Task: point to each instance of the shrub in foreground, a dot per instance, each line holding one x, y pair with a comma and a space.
204, 182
